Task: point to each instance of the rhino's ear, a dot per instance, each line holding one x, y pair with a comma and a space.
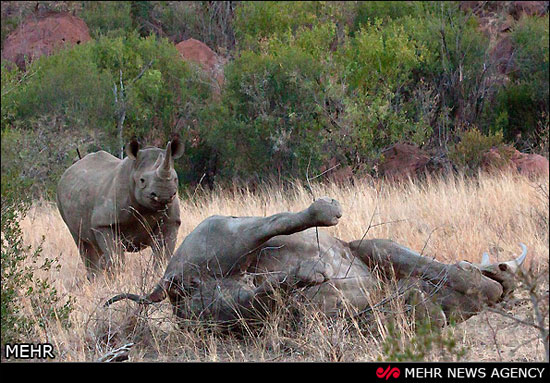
132, 149
177, 147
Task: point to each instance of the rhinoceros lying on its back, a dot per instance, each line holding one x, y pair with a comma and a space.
112, 205
205, 277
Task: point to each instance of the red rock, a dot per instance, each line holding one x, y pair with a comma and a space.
196, 51
510, 158
335, 172
403, 160
42, 35
501, 54
532, 165
514, 8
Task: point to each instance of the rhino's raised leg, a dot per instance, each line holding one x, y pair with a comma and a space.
222, 246
323, 211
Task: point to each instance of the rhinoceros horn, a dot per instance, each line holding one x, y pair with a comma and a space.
513, 265
164, 169
485, 259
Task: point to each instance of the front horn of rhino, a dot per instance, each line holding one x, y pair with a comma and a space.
503, 272
164, 169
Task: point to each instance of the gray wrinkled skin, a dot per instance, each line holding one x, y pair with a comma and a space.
112, 205
207, 276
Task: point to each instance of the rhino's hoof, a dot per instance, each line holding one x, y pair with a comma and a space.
325, 211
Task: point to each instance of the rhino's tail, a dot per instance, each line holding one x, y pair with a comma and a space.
158, 294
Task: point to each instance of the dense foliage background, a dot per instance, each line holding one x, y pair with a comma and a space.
307, 85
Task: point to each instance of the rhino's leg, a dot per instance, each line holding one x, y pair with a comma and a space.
233, 239
322, 212
164, 244
419, 304
91, 258
460, 290
109, 246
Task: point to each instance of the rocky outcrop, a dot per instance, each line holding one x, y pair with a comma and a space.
199, 53
42, 35
528, 164
402, 160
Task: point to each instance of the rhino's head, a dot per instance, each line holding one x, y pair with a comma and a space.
153, 180
505, 273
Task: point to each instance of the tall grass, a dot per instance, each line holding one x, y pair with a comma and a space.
452, 219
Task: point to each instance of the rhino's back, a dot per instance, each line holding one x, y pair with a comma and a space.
79, 188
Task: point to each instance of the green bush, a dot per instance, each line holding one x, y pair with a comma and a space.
455, 55
68, 83
380, 64
530, 37
468, 153
161, 90
256, 21
367, 12
274, 115
21, 266
427, 340
11, 78
111, 18
522, 104
208, 21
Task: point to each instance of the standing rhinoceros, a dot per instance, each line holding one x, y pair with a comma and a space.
112, 205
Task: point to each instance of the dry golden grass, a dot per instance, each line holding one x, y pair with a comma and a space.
452, 220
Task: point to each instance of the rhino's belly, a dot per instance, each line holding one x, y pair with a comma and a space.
349, 280
133, 246
348, 287
134, 240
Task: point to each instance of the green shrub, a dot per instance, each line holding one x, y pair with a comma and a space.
367, 12
530, 37
169, 91
21, 266
522, 104
468, 153
68, 83
11, 77
43, 149
380, 63
455, 54
427, 340
141, 12
208, 21
256, 21
271, 98
111, 18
